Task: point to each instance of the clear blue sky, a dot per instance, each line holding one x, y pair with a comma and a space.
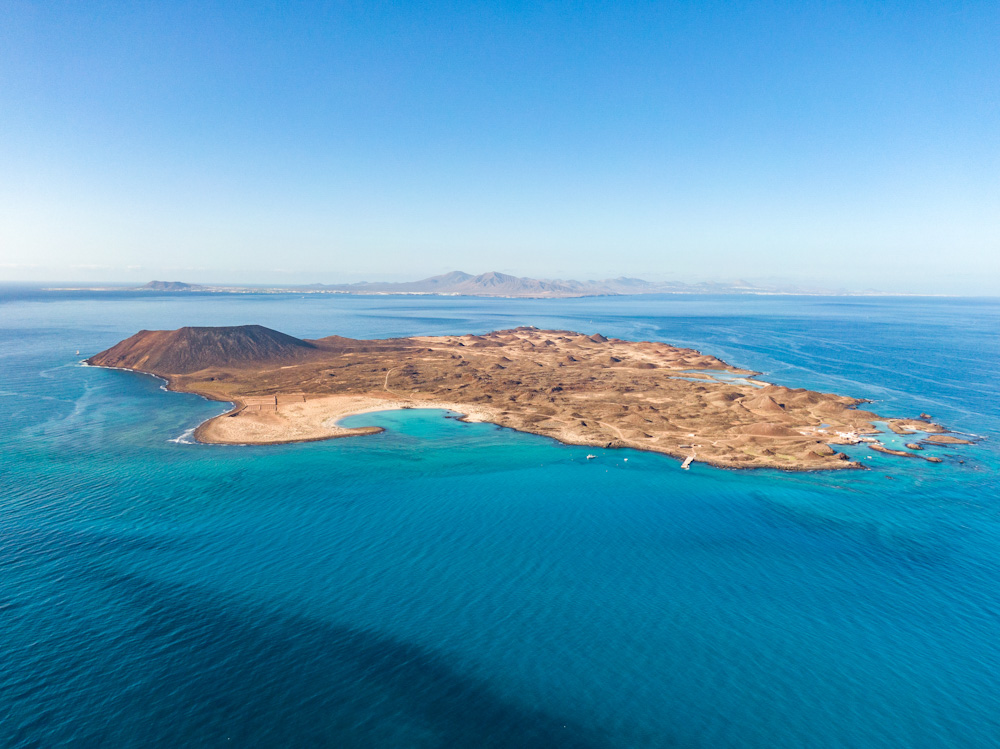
843, 143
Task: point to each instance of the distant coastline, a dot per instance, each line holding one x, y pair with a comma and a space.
493, 284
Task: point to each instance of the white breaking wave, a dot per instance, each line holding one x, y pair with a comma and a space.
185, 438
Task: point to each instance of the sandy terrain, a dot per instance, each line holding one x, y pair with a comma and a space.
579, 389
314, 417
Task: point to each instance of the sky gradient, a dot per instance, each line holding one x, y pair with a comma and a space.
839, 144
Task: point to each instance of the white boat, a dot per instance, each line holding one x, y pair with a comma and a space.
591, 457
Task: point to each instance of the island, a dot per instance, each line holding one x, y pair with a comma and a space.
489, 284
579, 389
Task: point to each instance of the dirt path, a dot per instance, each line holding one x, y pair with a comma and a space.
385, 385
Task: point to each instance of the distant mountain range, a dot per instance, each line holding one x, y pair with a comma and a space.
494, 284
465, 284
503, 285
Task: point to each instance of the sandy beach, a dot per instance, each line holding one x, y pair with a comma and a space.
312, 417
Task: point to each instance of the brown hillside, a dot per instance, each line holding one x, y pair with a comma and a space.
189, 350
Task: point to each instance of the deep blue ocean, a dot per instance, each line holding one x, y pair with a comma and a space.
444, 584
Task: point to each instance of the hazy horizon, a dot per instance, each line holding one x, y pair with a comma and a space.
849, 146
768, 285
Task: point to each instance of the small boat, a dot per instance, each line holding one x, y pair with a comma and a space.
591, 457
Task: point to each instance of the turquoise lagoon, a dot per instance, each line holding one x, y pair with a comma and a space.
444, 584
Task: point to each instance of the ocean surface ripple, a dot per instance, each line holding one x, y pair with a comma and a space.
443, 584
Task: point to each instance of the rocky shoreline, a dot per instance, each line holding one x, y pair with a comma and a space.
579, 389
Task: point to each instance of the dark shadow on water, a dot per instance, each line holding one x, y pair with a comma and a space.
201, 671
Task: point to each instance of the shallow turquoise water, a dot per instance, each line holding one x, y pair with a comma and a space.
449, 584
